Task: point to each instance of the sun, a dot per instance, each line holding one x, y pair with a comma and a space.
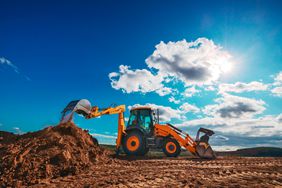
226, 67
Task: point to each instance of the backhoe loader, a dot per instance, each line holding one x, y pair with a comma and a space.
143, 131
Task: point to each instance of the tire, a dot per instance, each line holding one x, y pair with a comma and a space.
133, 143
171, 147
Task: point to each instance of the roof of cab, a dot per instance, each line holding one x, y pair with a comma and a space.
142, 108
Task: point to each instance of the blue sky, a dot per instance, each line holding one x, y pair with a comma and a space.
218, 65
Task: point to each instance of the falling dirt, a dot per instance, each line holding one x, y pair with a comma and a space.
66, 156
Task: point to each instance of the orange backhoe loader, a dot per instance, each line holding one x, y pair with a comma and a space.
143, 131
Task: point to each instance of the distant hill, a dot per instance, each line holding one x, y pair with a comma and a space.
254, 152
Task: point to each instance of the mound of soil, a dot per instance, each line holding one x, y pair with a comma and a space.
50, 153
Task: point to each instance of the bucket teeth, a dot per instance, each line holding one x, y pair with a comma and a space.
205, 151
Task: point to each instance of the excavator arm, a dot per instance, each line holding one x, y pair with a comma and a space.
84, 108
95, 112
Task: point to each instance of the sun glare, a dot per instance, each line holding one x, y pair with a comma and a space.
227, 67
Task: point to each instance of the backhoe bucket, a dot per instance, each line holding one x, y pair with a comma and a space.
82, 107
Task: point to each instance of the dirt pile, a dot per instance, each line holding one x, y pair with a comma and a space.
50, 153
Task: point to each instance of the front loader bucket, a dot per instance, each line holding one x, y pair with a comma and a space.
205, 151
82, 107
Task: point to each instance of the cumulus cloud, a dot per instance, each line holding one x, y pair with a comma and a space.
167, 113
279, 118
200, 62
4, 61
172, 99
277, 85
264, 126
278, 79
233, 115
195, 63
277, 91
140, 80
190, 91
230, 106
240, 87
185, 107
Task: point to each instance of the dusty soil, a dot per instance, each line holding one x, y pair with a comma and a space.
179, 172
66, 156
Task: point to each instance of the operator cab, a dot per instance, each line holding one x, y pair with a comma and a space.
142, 118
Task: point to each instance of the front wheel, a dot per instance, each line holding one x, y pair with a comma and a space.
171, 148
133, 143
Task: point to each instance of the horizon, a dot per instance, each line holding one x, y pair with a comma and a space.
214, 65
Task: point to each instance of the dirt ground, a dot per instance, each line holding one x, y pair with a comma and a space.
178, 172
67, 156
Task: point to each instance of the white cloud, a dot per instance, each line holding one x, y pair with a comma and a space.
96, 135
258, 127
278, 79
210, 88
172, 99
221, 137
195, 63
140, 80
277, 91
277, 85
240, 87
5, 61
279, 118
189, 108
167, 113
230, 106
190, 91
18, 130
226, 148
253, 127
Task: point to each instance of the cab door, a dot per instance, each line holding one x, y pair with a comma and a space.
145, 120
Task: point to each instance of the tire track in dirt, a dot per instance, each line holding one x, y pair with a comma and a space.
180, 172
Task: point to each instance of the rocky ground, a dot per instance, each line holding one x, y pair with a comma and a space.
67, 156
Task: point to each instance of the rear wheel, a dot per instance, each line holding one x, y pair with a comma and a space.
171, 147
133, 144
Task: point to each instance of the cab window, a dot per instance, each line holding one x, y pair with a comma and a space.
145, 119
132, 119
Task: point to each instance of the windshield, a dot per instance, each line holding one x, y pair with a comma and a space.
142, 118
